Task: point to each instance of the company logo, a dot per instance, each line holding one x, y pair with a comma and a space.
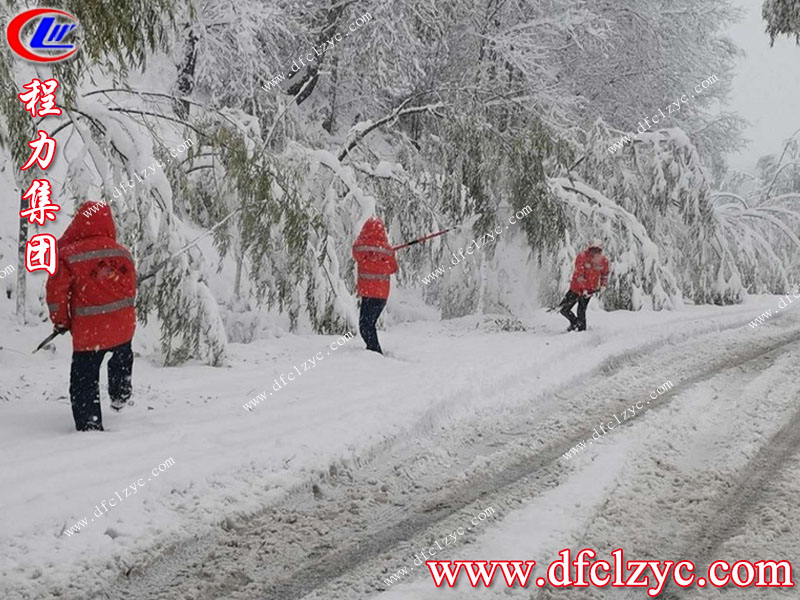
44, 45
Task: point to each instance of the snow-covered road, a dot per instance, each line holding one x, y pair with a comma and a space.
338, 480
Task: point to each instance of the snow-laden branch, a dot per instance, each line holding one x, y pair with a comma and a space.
346, 176
763, 213
736, 197
360, 130
780, 160
559, 185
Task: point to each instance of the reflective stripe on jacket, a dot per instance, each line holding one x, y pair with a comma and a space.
375, 259
93, 291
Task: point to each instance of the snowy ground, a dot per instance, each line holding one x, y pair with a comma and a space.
363, 460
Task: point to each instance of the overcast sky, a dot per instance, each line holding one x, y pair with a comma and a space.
766, 89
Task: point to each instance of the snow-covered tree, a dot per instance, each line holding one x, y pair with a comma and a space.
760, 216
430, 114
782, 17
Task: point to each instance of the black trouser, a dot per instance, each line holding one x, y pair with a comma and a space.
371, 309
568, 302
84, 383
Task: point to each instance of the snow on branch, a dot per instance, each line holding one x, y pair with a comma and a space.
360, 130
566, 190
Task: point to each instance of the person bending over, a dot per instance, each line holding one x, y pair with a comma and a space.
589, 277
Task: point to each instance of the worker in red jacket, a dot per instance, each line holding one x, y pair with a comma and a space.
92, 295
590, 276
376, 263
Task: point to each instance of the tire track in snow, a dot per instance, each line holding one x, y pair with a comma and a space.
299, 564
762, 468
160, 571
676, 503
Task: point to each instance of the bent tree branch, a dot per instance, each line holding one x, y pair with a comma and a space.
360, 131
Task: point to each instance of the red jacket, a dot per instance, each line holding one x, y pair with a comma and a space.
591, 272
93, 290
375, 259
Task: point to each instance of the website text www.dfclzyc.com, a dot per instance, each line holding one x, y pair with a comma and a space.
128, 492
617, 573
513, 220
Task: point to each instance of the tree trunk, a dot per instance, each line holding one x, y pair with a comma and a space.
481, 308
237, 284
185, 82
329, 124
22, 241
331, 19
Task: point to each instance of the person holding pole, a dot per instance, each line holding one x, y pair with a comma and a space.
376, 264
92, 296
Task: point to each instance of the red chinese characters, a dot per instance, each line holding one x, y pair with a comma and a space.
40, 207
43, 94
41, 253
41, 250
44, 144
